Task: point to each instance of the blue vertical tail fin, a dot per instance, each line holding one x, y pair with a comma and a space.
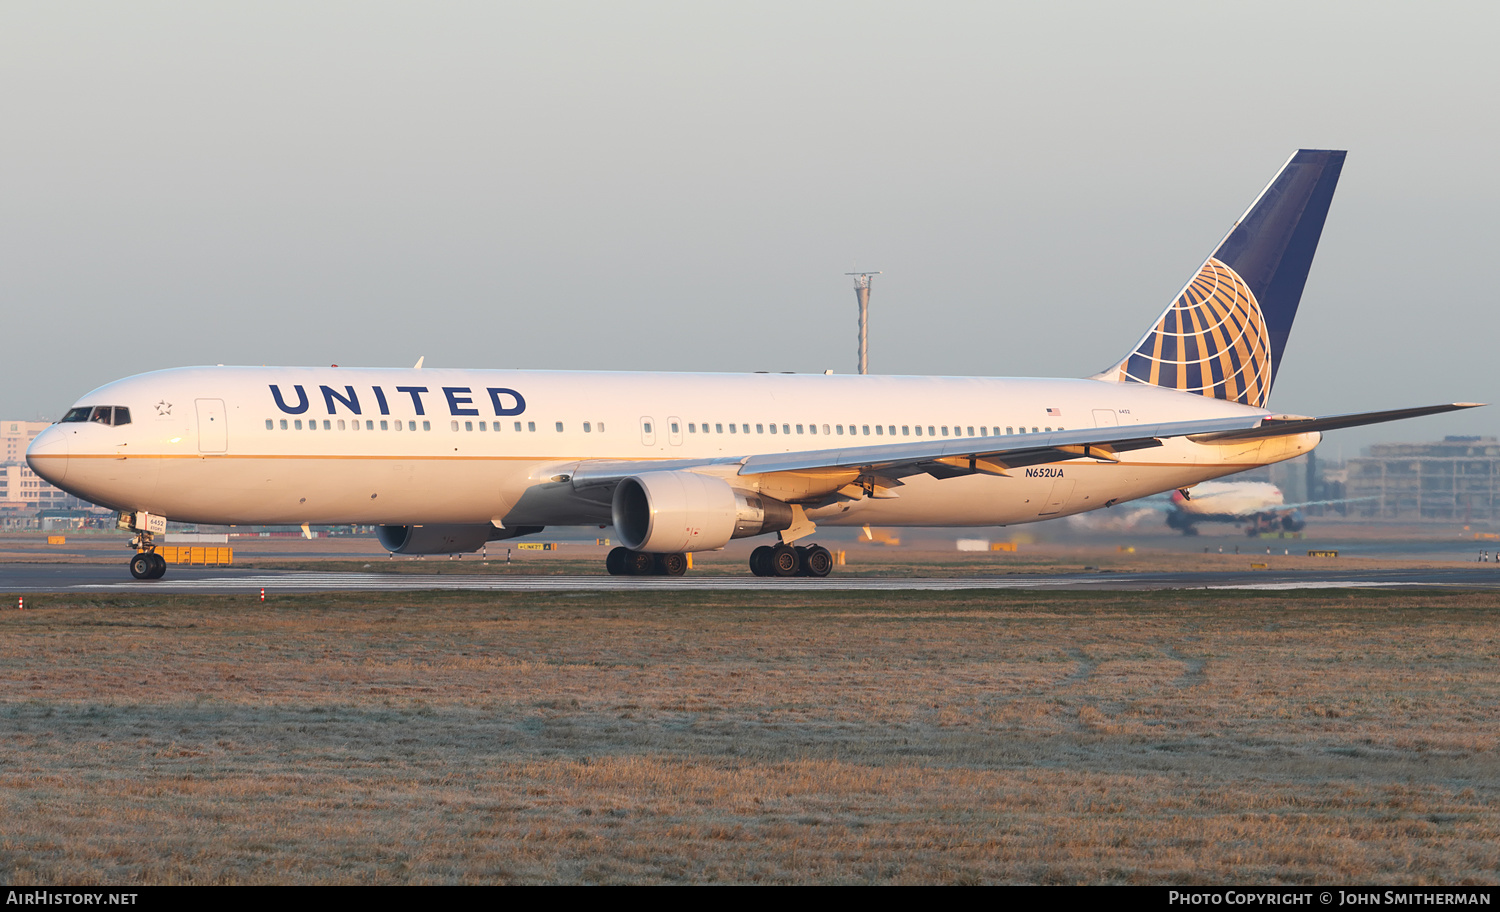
1223, 335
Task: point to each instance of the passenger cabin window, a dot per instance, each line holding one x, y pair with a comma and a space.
531, 426
719, 429
587, 428
559, 427
269, 425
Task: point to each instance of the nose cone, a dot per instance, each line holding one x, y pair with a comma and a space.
48, 455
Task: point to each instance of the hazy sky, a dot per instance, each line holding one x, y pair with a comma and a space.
681, 186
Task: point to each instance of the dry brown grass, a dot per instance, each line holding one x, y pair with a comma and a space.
646, 737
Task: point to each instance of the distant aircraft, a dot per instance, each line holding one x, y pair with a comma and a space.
1259, 506
446, 460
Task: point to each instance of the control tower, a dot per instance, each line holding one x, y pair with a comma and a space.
862, 295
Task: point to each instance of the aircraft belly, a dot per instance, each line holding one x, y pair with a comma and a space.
242, 490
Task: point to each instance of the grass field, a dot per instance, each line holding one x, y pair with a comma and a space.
1154, 737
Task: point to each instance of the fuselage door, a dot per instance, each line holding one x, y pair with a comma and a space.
1105, 418
213, 430
674, 431
648, 431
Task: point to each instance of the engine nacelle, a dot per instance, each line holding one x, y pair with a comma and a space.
670, 512
444, 538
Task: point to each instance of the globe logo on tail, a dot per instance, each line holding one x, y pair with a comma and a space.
1212, 341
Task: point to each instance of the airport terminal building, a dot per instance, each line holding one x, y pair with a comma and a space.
1456, 480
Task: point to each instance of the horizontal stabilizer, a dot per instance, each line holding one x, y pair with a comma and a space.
1285, 425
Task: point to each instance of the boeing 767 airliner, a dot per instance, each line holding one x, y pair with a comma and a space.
446, 460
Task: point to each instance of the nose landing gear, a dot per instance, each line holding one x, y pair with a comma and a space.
146, 564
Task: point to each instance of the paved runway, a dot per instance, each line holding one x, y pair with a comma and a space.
80, 578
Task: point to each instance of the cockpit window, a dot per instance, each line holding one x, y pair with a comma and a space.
113, 415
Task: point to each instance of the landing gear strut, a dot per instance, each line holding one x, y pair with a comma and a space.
791, 560
625, 562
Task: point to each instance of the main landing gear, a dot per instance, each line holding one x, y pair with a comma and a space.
791, 560
625, 562
767, 560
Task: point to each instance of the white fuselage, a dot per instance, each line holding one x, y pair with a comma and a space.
214, 445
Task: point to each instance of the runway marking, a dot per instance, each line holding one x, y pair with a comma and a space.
413, 582
371, 582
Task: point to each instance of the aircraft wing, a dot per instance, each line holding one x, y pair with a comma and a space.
1282, 425
991, 455
942, 458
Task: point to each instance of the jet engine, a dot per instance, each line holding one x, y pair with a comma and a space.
670, 512
444, 538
